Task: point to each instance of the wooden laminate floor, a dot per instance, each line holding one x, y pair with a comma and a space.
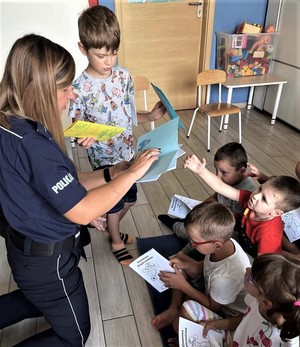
119, 302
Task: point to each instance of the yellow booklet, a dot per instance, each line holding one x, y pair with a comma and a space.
100, 132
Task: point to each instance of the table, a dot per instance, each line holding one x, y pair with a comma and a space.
252, 82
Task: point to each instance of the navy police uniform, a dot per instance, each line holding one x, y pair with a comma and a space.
38, 184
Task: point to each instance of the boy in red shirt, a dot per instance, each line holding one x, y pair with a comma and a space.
255, 173
262, 228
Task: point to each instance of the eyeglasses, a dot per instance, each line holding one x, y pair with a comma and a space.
195, 244
250, 280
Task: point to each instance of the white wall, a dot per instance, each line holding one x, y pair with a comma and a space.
54, 19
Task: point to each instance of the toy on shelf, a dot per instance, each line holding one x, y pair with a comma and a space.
263, 41
247, 28
246, 54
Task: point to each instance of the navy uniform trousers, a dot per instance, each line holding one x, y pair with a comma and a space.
53, 287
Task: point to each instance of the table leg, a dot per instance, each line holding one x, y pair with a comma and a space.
275, 110
250, 98
226, 118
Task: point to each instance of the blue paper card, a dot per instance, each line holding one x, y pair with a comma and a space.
170, 110
164, 137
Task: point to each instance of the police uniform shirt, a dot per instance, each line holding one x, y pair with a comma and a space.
38, 182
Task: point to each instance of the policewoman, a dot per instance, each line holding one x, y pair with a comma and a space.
43, 197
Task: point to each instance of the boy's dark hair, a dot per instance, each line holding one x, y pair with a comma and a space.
214, 220
289, 191
277, 279
99, 27
233, 152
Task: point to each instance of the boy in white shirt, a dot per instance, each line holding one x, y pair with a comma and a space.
209, 227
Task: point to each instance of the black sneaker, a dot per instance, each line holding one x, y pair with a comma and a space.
169, 221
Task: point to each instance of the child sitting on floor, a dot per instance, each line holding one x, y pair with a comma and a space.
273, 314
262, 229
230, 162
290, 247
209, 227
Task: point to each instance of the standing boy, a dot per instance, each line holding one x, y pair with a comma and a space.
209, 227
105, 94
262, 228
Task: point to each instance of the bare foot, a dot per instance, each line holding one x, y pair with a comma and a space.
165, 318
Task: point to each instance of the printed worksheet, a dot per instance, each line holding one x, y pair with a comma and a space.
180, 206
291, 222
149, 265
101, 132
190, 334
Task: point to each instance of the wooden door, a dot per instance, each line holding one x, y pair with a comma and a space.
165, 41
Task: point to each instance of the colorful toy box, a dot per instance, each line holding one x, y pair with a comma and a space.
245, 54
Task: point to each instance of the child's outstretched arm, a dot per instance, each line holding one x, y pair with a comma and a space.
198, 166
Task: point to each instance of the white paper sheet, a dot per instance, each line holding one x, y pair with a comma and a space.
291, 222
190, 335
180, 206
149, 265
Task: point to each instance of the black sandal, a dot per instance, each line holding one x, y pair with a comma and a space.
123, 257
126, 238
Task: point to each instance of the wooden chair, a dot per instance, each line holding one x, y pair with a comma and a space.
219, 109
141, 83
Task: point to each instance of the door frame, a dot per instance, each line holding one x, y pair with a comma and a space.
207, 34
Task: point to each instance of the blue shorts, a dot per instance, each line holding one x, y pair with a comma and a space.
129, 197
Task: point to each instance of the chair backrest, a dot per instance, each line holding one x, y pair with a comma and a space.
208, 78
141, 83
211, 77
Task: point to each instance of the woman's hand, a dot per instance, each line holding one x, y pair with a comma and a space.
117, 169
143, 161
193, 163
98, 223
